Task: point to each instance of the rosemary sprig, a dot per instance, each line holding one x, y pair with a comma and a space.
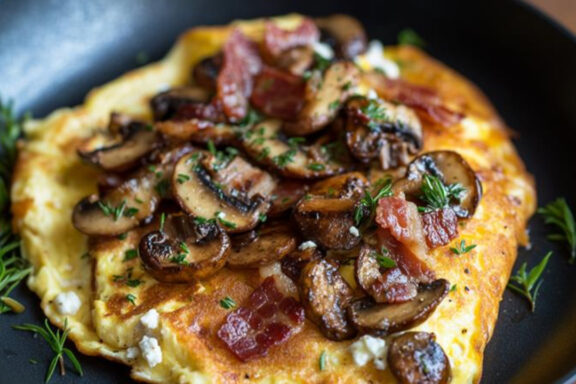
13, 269
228, 303
558, 213
526, 282
56, 342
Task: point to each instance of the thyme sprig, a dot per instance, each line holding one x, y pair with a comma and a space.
56, 341
367, 205
437, 195
558, 213
526, 284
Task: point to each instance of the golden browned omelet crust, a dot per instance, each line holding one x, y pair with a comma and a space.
49, 179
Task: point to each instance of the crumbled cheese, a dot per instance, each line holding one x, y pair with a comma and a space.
220, 215
372, 94
354, 231
324, 50
150, 319
67, 303
368, 348
132, 353
306, 245
150, 350
375, 58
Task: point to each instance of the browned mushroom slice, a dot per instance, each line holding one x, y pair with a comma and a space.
294, 262
197, 131
384, 319
329, 222
416, 357
166, 105
206, 72
265, 144
286, 195
386, 284
323, 101
272, 242
296, 60
451, 168
343, 33
138, 139
346, 185
325, 296
184, 251
232, 194
376, 129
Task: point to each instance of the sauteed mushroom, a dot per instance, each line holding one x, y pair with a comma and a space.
346, 185
294, 262
229, 191
197, 131
325, 295
344, 34
376, 129
165, 105
296, 60
138, 139
324, 99
206, 72
270, 243
184, 251
452, 169
384, 319
416, 357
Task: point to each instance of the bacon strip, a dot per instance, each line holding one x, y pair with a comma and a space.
440, 227
278, 40
278, 94
241, 62
267, 319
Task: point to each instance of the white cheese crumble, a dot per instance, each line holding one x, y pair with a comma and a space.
67, 303
150, 350
150, 319
132, 353
323, 50
375, 58
354, 231
306, 245
372, 94
369, 348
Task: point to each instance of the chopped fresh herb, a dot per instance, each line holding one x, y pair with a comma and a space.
263, 153
202, 220
285, 158
334, 105
127, 279
367, 204
293, 142
316, 167
162, 221
436, 194
131, 298
526, 283
347, 86
56, 341
139, 201
463, 248
110, 210
558, 213
122, 236
453, 288
85, 255
227, 303
211, 147
322, 361
133, 282
251, 118
224, 222
130, 254
182, 178
320, 62
384, 259
184, 247
375, 113
162, 187
179, 259
410, 37
223, 158
262, 217
131, 212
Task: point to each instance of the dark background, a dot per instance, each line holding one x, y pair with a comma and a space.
53, 52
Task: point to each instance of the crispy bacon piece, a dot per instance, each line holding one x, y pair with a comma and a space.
440, 227
402, 234
278, 40
425, 101
267, 319
240, 63
212, 112
278, 94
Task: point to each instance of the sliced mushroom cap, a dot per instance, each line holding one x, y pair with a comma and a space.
197, 131
165, 105
328, 221
294, 262
206, 72
451, 168
384, 285
384, 319
138, 140
346, 185
265, 144
272, 241
323, 101
235, 199
184, 251
376, 129
343, 33
325, 296
416, 357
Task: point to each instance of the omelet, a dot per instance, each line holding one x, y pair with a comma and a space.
167, 333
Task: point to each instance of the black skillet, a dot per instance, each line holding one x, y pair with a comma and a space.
52, 53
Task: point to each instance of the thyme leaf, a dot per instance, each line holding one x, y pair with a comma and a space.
526, 284
559, 214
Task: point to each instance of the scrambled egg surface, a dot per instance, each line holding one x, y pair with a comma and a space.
50, 178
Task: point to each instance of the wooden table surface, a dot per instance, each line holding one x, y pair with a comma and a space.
562, 10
